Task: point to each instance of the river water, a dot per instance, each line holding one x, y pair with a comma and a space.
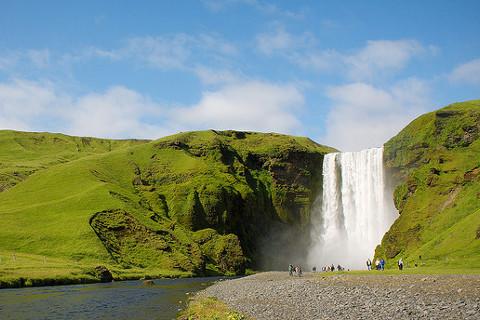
116, 300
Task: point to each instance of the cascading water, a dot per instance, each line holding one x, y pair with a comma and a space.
353, 212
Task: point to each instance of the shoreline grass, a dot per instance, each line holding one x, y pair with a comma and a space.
209, 308
19, 270
407, 271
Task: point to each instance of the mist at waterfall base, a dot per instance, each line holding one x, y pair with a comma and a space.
353, 212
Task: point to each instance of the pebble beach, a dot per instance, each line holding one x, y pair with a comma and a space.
276, 295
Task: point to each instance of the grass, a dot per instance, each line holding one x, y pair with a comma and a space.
436, 162
153, 196
209, 308
25, 270
418, 270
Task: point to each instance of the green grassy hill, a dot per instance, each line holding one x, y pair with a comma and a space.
190, 204
435, 163
24, 153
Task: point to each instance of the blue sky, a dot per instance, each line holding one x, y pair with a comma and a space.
349, 74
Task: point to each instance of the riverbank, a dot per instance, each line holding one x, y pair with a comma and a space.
19, 270
276, 295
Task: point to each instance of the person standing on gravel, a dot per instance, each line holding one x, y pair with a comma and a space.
290, 270
400, 264
369, 264
382, 264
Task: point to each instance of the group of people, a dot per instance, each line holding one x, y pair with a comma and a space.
332, 268
297, 270
294, 270
380, 264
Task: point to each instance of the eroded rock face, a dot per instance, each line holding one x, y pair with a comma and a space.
255, 186
131, 243
222, 252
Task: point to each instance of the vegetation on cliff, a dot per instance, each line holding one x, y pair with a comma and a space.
189, 204
435, 164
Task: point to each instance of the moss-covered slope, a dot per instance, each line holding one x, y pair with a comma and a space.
192, 203
435, 163
24, 153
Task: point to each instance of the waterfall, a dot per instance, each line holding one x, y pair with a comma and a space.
354, 211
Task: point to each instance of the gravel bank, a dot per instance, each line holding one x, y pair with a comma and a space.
276, 295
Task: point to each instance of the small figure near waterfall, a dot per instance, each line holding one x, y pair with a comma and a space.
400, 264
298, 271
314, 269
382, 264
377, 264
290, 270
369, 264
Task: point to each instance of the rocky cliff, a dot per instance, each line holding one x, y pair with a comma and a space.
435, 166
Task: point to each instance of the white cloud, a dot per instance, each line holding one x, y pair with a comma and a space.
178, 51
120, 112
161, 52
93, 52
36, 58
363, 116
468, 72
116, 113
270, 42
24, 103
374, 61
252, 105
166, 52
381, 57
281, 41
39, 58
213, 44
8, 61
319, 60
213, 76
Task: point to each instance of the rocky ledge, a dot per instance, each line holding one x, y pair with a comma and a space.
276, 295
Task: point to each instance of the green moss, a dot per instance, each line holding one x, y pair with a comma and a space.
225, 252
144, 205
435, 161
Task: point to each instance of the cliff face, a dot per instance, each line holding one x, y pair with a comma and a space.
259, 187
435, 165
205, 202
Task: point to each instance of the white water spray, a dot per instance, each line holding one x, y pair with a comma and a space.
354, 210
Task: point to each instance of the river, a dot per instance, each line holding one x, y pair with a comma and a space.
116, 300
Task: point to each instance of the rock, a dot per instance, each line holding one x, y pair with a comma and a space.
103, 274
